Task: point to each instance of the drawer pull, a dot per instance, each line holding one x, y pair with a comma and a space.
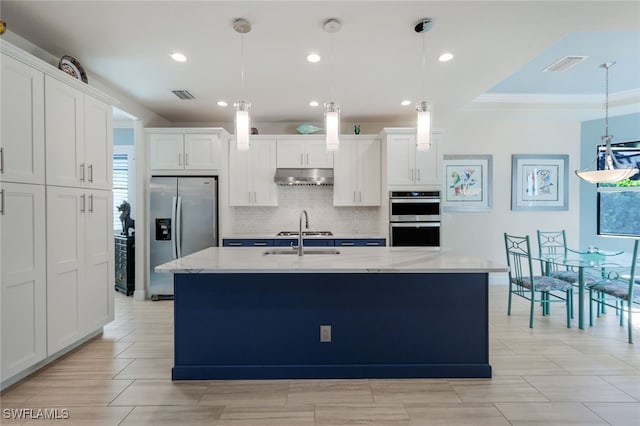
235, 244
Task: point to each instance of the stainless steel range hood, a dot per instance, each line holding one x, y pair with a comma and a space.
304, 177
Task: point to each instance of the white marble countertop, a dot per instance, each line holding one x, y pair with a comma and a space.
335, 236
350, 260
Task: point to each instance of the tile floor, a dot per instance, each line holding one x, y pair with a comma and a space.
549, 375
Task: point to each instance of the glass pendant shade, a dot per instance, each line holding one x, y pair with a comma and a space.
242, 125
423, 126
332, 125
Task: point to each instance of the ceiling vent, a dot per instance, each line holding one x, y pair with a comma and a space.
565, 63
183, 94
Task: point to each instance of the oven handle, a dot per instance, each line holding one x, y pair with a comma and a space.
414, 200
415, 225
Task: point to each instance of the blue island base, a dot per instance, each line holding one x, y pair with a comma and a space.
384, 325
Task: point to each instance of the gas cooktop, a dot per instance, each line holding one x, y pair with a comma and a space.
305, 233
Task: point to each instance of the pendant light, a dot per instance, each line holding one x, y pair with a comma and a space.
613, 171
242, 121
423, 108
331, 109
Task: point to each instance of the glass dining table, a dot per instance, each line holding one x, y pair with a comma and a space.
597, 263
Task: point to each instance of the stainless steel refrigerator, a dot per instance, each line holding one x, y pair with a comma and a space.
183, 220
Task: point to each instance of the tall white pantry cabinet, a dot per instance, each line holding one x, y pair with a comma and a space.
55, 213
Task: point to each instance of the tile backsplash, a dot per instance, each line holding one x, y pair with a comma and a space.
323, 216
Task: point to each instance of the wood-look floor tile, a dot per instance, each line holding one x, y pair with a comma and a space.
74, 392
83, 368
86, 416
618, 414
329, 391
413, 390
99, 349
539, 346
148, 368
148, 350
455, 414
161, 392
289, 415
577, 389
628, 384
498, 389
581, 364
246, 393
173, 416
362, 414
551, 413
517, 365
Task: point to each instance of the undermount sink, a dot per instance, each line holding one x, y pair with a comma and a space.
305, 250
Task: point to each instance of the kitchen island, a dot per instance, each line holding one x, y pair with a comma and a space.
393, 313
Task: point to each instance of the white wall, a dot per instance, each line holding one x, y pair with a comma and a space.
503, 134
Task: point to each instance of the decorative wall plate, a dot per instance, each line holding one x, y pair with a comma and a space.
71, 66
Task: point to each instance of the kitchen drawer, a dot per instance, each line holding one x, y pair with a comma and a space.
360, 242
307, 242
242, 242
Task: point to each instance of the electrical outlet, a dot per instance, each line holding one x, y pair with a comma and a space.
325, 333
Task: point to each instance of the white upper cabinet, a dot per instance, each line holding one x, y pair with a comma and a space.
23, 277
251, 174
184, 151
79, 137
357, 173
300, 152
406, 166
21, 122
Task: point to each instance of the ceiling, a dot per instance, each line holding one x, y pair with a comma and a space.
500, 48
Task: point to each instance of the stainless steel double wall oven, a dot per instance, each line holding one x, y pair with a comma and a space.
414, 218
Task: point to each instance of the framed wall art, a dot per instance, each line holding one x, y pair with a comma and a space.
539, 182
467, 183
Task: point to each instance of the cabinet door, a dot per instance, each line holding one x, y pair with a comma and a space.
66, 209
201, 152
23, 277
368, 161
21, 123
166, 151
98, 142
290, 154
64, 133
95, 293
400, 159
263, 155
427, 164
345, 175
240, 188
316, 155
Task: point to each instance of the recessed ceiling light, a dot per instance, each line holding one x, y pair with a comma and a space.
313, 57
222, 103
445, 57
405, 102
178, 57
313, 104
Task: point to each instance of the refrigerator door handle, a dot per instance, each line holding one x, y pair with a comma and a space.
179, 227
174, 246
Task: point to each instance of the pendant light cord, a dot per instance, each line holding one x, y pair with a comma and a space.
606, 104
241, 63
331, 72
424, 66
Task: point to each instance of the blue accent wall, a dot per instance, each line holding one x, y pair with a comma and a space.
123, 136
624, 128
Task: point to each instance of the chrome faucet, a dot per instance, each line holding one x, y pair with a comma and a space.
306, 224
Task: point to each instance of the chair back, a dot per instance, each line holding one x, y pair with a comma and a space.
633, 276
519, 261
551, 244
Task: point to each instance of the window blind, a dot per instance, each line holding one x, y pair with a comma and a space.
120, 186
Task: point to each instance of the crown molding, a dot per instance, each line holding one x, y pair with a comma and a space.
618, 98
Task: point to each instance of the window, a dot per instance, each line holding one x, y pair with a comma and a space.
123, 180
619, 203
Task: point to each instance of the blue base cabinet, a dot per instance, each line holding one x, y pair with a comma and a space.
308, 242
384, 325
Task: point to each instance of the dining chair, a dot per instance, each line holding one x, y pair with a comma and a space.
554, 243
622, 288
535, 288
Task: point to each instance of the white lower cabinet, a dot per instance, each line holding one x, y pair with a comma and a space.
23, 272
251, 174
357, 173
79, 264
